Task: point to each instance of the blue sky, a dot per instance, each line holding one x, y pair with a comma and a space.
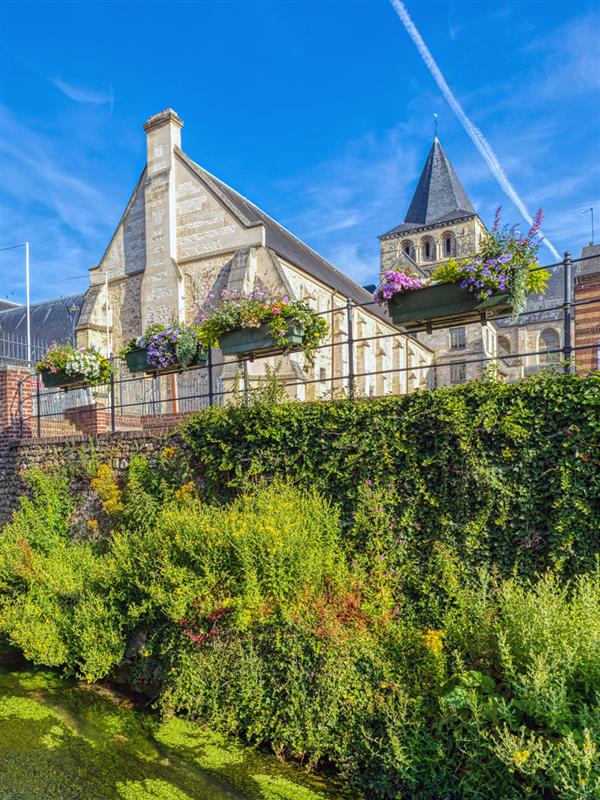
319, 112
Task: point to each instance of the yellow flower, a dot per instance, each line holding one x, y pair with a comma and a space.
186, 492
433, 641
520, 757
106, 487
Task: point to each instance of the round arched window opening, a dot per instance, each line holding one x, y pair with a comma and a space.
408, 248
448, 245
428, 249
549, 341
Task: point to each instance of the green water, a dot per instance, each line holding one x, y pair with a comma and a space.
60, 740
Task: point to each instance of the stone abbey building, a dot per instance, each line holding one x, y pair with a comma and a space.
185, 236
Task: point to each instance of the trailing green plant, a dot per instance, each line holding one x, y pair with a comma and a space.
260, 309
83, 364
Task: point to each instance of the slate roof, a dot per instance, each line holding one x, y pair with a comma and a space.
284, 243
50, 320
439, 196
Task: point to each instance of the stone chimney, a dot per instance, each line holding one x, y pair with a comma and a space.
163, 297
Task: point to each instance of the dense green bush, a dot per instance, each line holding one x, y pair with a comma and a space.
504, 473
390, 614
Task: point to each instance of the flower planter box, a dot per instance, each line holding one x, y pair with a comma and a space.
137, 361
60, 380
444, 304
258, 341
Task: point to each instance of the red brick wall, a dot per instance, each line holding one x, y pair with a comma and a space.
587, 321
16, 387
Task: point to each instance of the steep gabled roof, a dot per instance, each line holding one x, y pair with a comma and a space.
439, 196
284, 243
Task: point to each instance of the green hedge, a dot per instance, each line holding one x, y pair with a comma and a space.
505, 474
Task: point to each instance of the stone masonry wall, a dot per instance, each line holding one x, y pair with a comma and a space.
115, 449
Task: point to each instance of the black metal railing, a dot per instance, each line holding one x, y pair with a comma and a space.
127, 399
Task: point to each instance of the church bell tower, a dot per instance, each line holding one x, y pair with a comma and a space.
440, 223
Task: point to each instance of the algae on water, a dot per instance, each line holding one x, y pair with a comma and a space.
59, 741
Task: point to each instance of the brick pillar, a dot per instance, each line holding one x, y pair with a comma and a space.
587, 322
90, 419
16, 406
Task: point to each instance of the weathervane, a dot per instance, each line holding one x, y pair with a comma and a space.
435, 120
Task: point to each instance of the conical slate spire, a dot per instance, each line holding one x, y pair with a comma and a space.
439, 192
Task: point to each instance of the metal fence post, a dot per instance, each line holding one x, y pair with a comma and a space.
21, 409
567, 311
246, 394
349, 320
113, 421
38, 402
211, 398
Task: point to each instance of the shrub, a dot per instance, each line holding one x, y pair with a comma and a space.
267, 553
404, 589
505, 474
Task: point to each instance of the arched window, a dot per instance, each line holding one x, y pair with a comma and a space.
549, 340
428, 249
449, 245
503, 346
408, 248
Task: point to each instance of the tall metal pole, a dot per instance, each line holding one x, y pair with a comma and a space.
28, 301
27, 293
567, 313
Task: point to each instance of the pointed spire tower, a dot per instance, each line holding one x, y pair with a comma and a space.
439, 192
440, 223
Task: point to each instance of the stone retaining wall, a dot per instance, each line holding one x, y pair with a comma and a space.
67, 439
115, 449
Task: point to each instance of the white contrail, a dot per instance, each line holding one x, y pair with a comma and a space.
479, 140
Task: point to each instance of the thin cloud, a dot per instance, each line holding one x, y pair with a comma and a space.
81, 95
477, 137
340, 206
65, 209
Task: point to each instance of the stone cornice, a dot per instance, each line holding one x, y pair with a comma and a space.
433, 226
168, 115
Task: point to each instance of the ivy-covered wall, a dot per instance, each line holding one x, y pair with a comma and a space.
507, 474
